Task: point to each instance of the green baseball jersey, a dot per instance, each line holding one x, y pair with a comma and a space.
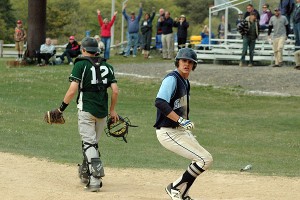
93, 96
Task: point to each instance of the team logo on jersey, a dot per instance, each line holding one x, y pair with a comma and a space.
181, 102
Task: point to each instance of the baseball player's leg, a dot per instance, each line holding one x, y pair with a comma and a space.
183, 143
87, 130
100, 125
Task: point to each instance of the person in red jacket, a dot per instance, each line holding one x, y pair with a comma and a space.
106, 31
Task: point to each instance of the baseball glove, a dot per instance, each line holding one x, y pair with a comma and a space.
118, 128
54, 117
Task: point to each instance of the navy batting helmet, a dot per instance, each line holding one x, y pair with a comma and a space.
90, 45
188, 54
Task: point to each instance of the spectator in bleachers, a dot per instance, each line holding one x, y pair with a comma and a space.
46, 51
297, 59
221, 28
205, 38
286, 8
106, 25
280, 25
182, 26
250, 9
166, 24
239, 19
296, 22
133, 30
72, 50
146, 29
265, 17
249, 29
159, 30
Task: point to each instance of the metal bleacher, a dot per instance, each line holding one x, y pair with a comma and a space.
230, 48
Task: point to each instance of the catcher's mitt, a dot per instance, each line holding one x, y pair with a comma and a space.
54, 117
118, 128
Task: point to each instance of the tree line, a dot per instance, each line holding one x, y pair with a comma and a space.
65, 18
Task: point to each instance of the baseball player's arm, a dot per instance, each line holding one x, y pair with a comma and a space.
173, 116
114, 99
166, 109
71, 92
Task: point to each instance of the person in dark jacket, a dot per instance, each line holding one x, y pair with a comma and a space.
296, 22
158, 30
249, 30
182, 26
166, 24
146, 29
72, 50
251, 9
286, 8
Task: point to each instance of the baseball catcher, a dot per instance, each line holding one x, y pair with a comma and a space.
90, 79
118, 128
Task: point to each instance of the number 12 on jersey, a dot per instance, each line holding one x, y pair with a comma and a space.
103, 74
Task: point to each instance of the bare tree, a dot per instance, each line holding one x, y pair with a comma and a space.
36, 25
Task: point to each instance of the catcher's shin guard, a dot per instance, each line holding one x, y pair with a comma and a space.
92, 160
97, 169
83, 172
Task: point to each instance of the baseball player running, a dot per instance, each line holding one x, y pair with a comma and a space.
173, 127
91, 76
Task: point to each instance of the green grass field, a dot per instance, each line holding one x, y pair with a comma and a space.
236, 129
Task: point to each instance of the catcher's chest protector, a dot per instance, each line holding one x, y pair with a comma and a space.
96, 62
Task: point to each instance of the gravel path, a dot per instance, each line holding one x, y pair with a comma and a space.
260, 80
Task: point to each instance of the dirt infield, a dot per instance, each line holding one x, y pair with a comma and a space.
33, 179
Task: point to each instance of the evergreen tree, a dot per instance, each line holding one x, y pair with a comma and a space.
7, 21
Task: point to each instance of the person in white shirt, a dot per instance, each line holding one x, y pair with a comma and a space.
47, 50
101, 45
